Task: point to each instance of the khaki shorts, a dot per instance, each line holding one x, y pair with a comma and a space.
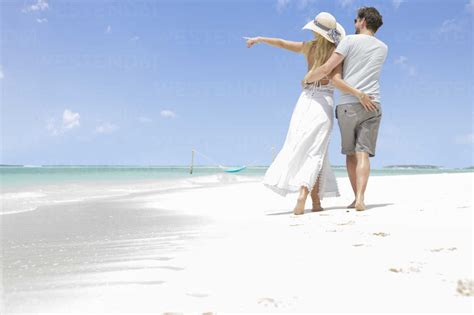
359, 128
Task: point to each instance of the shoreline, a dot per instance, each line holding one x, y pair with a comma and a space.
24, 198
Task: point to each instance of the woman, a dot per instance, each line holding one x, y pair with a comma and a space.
302, 165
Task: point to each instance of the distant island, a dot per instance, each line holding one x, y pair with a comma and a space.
413, 166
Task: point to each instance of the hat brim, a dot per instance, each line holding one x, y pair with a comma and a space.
311, 26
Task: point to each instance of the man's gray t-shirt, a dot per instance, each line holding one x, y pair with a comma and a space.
364, 57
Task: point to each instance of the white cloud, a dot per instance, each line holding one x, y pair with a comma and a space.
51, 126
70, 119
108, 29
346, 3
412, 71
465, 139
167, 113
470, 6
106, 128
402, 61
40, 5
451, 25
397, 3
1, 72
303, 4
454, 30
144, 119
41, 20
282, 5
134, 38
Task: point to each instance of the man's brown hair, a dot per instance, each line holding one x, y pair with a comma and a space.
372, 17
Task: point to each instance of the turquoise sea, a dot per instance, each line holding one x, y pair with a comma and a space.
15, 176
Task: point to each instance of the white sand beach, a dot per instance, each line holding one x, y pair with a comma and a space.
235, 246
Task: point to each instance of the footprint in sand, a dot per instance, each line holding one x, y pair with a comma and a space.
436, 250
413, 267
197, 294
382, 234
350, 222
171, 268
465, 287
268, 302
160, 258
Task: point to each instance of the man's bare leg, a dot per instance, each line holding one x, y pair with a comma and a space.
351, 164
315, 197
301, 201
362, 177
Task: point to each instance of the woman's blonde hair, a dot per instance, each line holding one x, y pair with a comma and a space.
323, 50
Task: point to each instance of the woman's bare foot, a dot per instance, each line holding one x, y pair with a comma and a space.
317, 206
299, 208
315, 198
352, 205
301, 201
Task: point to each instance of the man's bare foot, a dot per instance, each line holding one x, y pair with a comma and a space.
352, 205
360, 206
299, 208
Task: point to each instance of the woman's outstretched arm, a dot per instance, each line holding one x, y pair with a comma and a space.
364, 99
296, 47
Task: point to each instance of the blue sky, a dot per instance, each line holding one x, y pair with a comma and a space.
144, 82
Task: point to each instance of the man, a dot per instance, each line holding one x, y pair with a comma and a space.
359, 118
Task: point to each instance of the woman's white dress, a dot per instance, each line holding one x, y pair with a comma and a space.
304, 155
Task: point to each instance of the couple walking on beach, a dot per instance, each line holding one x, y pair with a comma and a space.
352, 64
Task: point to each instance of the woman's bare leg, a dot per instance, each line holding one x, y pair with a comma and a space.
301, 201
315, 197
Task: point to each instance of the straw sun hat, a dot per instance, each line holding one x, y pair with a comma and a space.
326, 25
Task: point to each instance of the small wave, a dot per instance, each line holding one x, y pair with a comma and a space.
21, 195
221, 178
17, 211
